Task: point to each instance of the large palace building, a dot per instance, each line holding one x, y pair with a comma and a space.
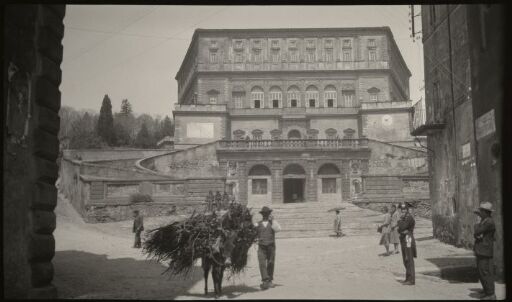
272, 116
293, 108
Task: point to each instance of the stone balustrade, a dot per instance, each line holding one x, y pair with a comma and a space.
291, 144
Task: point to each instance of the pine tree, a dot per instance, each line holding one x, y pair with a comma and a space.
126, 107
144, 139
105, 126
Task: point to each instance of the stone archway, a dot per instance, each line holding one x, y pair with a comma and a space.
259, 186
329, 183
294, 184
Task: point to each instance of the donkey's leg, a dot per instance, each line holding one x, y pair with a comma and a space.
221, 277
206, 270
216, 279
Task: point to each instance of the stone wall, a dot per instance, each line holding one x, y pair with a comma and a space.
32, 75
387, 126
200, 161
119, 212
389, 159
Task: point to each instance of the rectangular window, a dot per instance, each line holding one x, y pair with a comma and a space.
259, 186
372, 55
328, 185
275, 56
312, 103
239, 57
347, 56
330, 103
371, 43
238, 99
346, 43
374, 97
275, 103
213, 100
348, 99
294, 55
213, 56
293, 103
257, 56
257, 103
329, 55
310, 55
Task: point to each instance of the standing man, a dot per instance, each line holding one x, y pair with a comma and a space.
138, 227
266, 229
408, 245
484, 249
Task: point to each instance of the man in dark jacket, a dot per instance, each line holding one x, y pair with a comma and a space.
407, 243
266, 229
484, 249
138, 227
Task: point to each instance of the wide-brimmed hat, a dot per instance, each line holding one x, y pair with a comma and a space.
487, 206
265, 210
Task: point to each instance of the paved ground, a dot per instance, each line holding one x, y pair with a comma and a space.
97, 261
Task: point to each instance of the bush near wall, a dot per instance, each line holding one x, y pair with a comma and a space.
139, 197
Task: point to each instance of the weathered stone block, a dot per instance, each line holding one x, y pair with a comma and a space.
46, 170
41, 247
51, 20
49, 44
47, 120
49, 70
46, 145
42, 273
47, 94
44, 196
43, 222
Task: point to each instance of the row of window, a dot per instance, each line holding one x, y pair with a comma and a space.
259, 186
293, 97
257, 134
293, 56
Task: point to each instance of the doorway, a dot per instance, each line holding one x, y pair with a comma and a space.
293, 190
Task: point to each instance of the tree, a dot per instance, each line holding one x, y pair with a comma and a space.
68, 115
126, 107
82, 134
144, 139
167, 127
105, 126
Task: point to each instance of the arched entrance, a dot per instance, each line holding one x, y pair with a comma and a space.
294, 183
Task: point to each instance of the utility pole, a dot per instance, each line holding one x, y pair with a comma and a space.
412, 28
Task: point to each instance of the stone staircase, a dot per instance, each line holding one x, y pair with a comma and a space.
313, 220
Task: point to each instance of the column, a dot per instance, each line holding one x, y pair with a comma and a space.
277, 182
311, 182
345, 181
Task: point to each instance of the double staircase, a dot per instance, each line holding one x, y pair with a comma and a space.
313, 219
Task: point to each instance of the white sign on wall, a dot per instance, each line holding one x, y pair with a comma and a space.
200, 130
485, 125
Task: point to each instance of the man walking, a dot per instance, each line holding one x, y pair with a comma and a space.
407, 243
266, 229
138, 227
337, 224
394, 237
484, 249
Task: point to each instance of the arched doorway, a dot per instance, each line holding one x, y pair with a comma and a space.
294, 180
329, 183
294, 134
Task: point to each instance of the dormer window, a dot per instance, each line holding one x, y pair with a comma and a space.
310, 44
213, 56
275, 44
239, 45
347, 43
371, 43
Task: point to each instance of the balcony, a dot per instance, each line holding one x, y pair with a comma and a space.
385, 105
293, 144
206, 108
420, 125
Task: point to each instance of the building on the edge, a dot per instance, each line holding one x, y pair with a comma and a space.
299, 114
463, 83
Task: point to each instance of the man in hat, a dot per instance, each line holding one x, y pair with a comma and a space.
407, 242
484, 249
138, 227
266, 229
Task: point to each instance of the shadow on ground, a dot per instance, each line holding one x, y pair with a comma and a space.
424, 238
80, 274
456, 269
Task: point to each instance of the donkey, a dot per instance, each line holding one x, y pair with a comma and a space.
220, 255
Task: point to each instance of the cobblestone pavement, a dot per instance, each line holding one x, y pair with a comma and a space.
97, 261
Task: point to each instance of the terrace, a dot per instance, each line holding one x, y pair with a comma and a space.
293, 144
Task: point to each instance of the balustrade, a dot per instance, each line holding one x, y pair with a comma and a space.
282, 144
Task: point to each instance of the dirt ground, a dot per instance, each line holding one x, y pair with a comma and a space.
97, 261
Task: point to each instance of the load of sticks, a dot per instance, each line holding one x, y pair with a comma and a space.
183, 242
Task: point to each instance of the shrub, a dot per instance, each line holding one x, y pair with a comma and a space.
139, 197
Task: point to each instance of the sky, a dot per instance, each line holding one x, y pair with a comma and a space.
134, 51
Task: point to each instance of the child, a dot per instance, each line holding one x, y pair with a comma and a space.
337, 224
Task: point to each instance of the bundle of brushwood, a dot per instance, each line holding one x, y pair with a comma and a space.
183, 242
